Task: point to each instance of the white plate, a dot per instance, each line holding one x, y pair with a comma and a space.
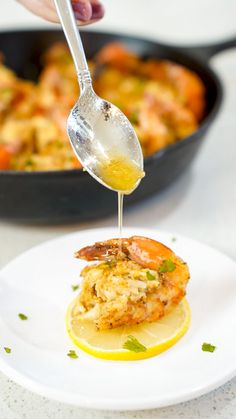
38, 284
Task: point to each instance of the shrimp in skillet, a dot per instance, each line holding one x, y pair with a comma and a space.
135, 279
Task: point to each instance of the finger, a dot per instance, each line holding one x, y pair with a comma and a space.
82, 10
97, 10
46, 11
97, 13
86, 12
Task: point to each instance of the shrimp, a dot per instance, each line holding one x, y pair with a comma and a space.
138, 279
162, 120
186, 84
5, 157
116, 55
147, 252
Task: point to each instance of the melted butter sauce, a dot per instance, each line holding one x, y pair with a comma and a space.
120, 173
123, 175
120, 213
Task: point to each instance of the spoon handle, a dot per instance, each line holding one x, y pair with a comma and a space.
71, 31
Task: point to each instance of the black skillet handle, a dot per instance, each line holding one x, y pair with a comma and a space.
205, 52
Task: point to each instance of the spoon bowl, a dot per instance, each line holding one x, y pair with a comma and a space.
100, 132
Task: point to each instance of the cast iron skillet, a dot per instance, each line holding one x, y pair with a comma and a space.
68, 196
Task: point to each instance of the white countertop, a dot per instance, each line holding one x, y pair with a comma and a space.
200, 205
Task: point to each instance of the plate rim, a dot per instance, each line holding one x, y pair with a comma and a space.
110, 404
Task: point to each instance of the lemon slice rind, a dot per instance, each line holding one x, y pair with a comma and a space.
121, 354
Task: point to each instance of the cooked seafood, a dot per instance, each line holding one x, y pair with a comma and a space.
163, 100
139, 279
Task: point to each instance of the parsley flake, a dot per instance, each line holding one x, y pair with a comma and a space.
72, 354
167, 266
29, 162
58, 144
150, 276
207, 347
7, 350
132, 344
173, 239
134, 117
110, 263
7, 92
22, 316
74, 287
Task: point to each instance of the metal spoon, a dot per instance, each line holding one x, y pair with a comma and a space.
98, 130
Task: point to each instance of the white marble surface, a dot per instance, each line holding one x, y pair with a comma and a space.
200, 205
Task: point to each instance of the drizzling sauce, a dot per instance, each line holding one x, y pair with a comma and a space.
120, 213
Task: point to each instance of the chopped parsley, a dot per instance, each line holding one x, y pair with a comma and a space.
74, 287
7, 350
59, 144
66, 59
7, 92
150, 276
6, 89
173, 239
132, 344
29, 163
134, 117
118, 104
110, 263
207, 347
22, 316
72, 354
167, 266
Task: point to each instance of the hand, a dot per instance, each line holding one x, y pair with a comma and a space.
86, 11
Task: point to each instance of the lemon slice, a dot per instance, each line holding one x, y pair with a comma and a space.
156, 337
